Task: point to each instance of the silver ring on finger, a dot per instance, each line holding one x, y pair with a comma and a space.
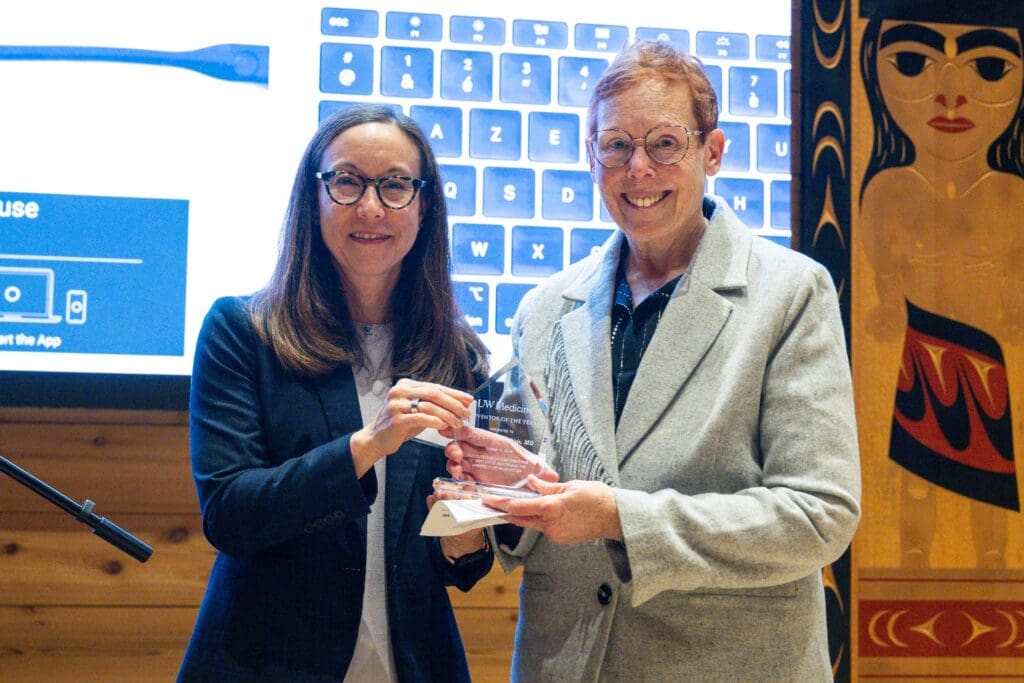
414, 405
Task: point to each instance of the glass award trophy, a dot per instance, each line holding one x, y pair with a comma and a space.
503, 442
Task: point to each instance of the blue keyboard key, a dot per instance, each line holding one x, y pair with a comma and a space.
407, 71
576, 78
506, 300
536, 252
473, 299
780, 198
467, 75
753, 92
737, 146
413, 26
773, 148
723, 45
525, 79
554, 137
601, 37
746, 197
328, 107
442, 126
346, 69
567, 195
602, 212
773, 49
478, 249
357, 23
715, 76
586, 241
459, 189
509, 192
495, 134
478, 30
549, 34
675, 37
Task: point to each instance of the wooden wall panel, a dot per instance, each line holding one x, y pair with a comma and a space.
73, 607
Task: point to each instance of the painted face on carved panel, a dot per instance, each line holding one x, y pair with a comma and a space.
951, 88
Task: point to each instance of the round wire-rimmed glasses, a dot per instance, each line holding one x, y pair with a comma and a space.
665, 145
346, 188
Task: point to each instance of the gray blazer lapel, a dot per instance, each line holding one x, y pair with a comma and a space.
692, 321
587, 333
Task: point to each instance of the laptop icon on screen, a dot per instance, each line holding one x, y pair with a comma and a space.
26, 295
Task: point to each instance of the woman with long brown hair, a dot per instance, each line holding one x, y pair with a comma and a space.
306, 398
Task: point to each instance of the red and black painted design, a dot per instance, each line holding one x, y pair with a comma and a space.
951, 421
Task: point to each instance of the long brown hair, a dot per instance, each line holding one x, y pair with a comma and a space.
302, 314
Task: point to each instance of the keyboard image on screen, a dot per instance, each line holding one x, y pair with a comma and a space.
502, 99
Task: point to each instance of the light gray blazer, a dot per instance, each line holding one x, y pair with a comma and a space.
735, 467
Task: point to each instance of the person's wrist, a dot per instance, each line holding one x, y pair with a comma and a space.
361, 445
455, 550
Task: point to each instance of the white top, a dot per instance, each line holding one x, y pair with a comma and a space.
373, 660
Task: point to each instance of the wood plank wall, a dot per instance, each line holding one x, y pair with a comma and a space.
73, 607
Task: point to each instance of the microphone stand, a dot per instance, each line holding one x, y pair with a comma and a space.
105, 529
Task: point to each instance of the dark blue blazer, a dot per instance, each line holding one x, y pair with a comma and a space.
283, 506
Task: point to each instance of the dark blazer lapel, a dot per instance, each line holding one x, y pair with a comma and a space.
400, 476
339, 400
692, 321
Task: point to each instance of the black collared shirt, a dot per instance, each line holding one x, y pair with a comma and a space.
632, 330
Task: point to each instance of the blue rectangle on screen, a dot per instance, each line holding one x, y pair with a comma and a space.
346, 68
585, 241
753, 92
780, 198
536, 251
553, 35
737, 146
467, 75
746, 197
506, 302
442, 126
459, 189
406, 71
773, 49
495, 134
474, 300
105, 274
477, 30
723, 45
567, 195
554, 137
478, 249
577, 76
714, 74
525, 79
357, 23
509, 192
773, 148
601, 37
413, 26
676, 37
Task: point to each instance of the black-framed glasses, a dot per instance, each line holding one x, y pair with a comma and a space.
665, 145
394, 191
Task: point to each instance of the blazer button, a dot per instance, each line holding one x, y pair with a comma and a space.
604, 594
